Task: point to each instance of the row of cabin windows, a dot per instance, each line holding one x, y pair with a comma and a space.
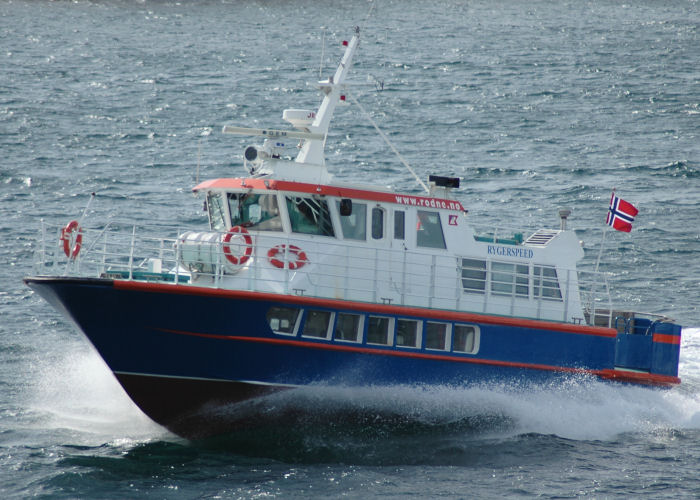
506, 278
311, 215
377, 330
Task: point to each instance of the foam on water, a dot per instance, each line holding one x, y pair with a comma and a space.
77, 392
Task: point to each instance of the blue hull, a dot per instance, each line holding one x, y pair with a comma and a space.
180, 351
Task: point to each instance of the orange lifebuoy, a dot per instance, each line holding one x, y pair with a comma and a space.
247, 240
298, 253
71, 245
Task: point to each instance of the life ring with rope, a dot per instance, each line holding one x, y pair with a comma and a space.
299, 256
72, 239
247, 241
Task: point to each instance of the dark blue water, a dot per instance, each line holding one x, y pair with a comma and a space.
536, 105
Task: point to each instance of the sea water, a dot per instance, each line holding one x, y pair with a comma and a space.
535, 105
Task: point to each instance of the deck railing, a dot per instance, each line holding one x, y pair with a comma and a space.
333, 268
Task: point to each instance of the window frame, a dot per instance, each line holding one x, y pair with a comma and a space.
429, 228
477, 338
510, 278
400, 235
242, 205
377, 223
222, 207
474, 270
295, 328
419, 333
448, 336
389, 330
358, 330
362, 208
330, 324
540, 283
325, 215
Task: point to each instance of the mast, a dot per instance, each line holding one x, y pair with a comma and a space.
313, 149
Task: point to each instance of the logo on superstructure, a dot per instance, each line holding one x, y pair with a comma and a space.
429, 202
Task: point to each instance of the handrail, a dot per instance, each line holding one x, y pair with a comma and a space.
336, 269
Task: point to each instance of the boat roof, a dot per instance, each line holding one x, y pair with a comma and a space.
237, 183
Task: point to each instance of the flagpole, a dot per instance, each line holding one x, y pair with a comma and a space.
591, 304
600, 251
602, 242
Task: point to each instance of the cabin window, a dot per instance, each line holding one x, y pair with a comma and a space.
474, 275
317, 324
465, 339
546, 283
407, 332
309, 216
436, 336
217, 220
429, 230
348, 327
507, 278
354, 225
378, 330
257, 211
377, 223
283, 320
399, 224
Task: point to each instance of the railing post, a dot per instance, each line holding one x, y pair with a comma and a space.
403, 277
177, 260
566, 295
432, 280
610, 307
376, 273
104, 254
219, 268
131, 253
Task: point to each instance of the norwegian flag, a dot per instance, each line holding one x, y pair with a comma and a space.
621, 214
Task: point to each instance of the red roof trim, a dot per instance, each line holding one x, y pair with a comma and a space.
341, 192
438, 314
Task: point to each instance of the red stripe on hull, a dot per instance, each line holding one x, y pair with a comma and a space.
438, 314
666, 339
608, 374
383, 352
639, 378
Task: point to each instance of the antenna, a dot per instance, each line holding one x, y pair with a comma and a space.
199, 154
323, 50
371, 8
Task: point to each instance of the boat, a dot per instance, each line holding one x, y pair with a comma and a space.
301, 280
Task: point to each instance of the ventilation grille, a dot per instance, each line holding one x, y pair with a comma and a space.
541, 237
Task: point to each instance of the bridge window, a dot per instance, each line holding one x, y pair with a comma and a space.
259, 211
546, 283
429, 230
317, 323
283, 320
348, 327
399, 224
309, 216
474, 275
436, 336
215, 206
465, 339
354, 226
377, 223
407, 332
378, 330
